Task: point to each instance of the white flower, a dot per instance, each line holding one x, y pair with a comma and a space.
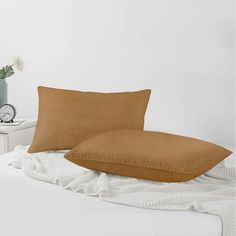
19, 64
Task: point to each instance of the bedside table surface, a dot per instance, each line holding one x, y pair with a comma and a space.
8, 128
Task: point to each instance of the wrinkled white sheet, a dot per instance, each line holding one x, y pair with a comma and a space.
213, 192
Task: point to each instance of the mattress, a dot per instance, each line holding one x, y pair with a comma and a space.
33, 208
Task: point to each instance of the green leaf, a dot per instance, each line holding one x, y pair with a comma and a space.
2, 74
9, 71
6, 71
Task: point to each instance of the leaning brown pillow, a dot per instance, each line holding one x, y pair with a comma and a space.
148, 155
68, 117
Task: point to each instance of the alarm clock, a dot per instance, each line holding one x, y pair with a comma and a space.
7, 113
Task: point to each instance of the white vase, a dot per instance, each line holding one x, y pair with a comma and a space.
3, 92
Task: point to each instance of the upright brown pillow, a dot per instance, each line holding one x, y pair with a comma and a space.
148, 155
68, 117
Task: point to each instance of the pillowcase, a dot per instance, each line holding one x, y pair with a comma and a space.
148, 155
68, 117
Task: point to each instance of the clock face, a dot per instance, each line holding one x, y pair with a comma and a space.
7, 113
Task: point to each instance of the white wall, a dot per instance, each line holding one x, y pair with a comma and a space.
182, 49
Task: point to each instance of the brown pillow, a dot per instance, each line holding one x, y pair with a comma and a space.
147, 155
68, 117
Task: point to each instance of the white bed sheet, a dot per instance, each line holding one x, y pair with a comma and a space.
33, 208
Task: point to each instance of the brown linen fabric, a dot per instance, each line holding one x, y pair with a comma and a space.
68, 117
148, 155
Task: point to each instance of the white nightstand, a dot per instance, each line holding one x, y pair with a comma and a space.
21, 134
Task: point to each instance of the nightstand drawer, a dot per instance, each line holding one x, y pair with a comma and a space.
3, 143
13, 135
21, 137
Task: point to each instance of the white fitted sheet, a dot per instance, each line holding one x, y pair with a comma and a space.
33, 208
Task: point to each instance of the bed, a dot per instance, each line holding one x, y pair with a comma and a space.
30, 207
